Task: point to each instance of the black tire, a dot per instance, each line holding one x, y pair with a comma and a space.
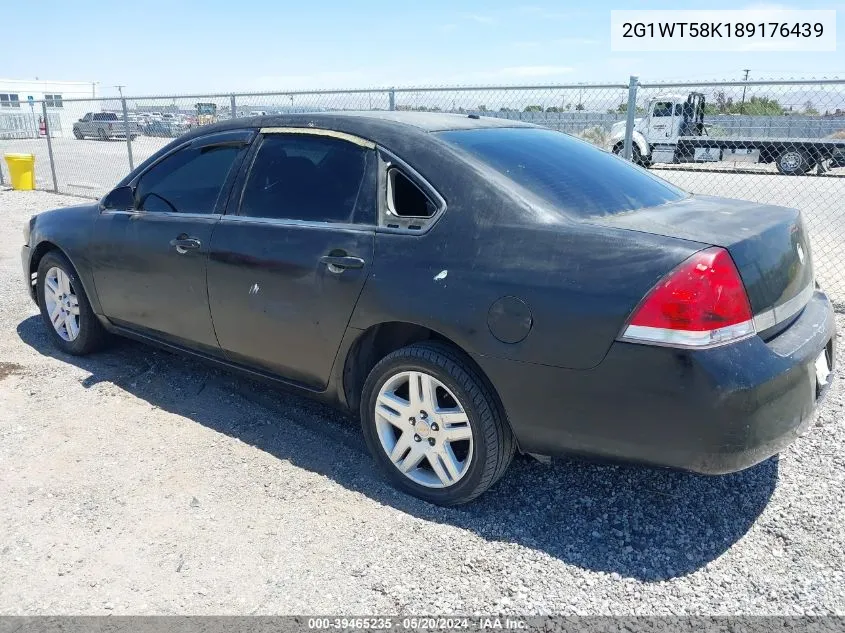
794, 162
78, 135
92, 336
101, 134
636, 155
493, 442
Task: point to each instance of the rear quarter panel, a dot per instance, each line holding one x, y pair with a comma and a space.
580, 282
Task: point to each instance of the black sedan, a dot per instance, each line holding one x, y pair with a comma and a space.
471, 287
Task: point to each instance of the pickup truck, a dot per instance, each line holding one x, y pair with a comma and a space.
104, 125
673, 131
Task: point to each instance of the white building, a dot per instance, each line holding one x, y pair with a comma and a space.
20, 119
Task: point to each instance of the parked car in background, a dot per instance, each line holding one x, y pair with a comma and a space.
104, 126
470, 287
167, 127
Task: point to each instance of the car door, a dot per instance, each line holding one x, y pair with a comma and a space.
97, 125
289, 260
84, 124
150, 261
660, 122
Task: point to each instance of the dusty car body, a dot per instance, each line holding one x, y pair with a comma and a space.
471, 287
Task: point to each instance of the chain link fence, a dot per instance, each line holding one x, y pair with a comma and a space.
770, 142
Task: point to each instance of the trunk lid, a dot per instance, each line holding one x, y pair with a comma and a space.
768, 244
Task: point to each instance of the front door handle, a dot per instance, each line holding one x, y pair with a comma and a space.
338, 263
183, 244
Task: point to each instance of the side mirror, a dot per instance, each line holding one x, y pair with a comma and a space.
120, 199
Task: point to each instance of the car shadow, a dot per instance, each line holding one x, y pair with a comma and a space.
645, 523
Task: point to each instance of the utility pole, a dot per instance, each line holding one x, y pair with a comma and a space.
742, 105
120, 90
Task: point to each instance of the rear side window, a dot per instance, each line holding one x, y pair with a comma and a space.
105, 116
311, 178
573, 175
188, 181
405, 199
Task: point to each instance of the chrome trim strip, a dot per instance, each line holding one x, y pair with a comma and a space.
249, 219
351, 138
689, 339
161, 214
785, 310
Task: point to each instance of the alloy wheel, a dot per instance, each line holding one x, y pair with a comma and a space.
424, 429
62, 303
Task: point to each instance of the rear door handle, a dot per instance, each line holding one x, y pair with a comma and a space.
183, 244
339, 263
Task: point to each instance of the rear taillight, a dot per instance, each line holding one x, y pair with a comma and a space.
702, 303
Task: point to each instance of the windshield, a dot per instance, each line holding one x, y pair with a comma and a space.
571, 174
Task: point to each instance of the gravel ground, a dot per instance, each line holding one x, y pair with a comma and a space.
135, 482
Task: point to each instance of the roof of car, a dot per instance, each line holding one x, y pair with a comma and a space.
354, 122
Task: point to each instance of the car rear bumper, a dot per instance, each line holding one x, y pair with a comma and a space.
709, 411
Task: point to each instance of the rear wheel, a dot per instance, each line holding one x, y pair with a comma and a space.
433, 425
73, 326
101, 134
794, 162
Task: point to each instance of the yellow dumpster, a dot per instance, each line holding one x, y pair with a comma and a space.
21, 170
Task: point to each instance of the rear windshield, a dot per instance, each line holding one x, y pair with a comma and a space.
571, 174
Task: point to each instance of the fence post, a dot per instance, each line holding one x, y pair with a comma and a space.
233, 105
128, 134
632, 111
50, 146
392, 96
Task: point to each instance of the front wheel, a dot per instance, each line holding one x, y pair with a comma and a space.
433, 424
78, 135
65, 310
636, 155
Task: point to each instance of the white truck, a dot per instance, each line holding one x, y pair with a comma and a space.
673, 131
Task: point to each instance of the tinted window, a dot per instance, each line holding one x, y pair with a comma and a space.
572, 174
188, 181
312, 178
